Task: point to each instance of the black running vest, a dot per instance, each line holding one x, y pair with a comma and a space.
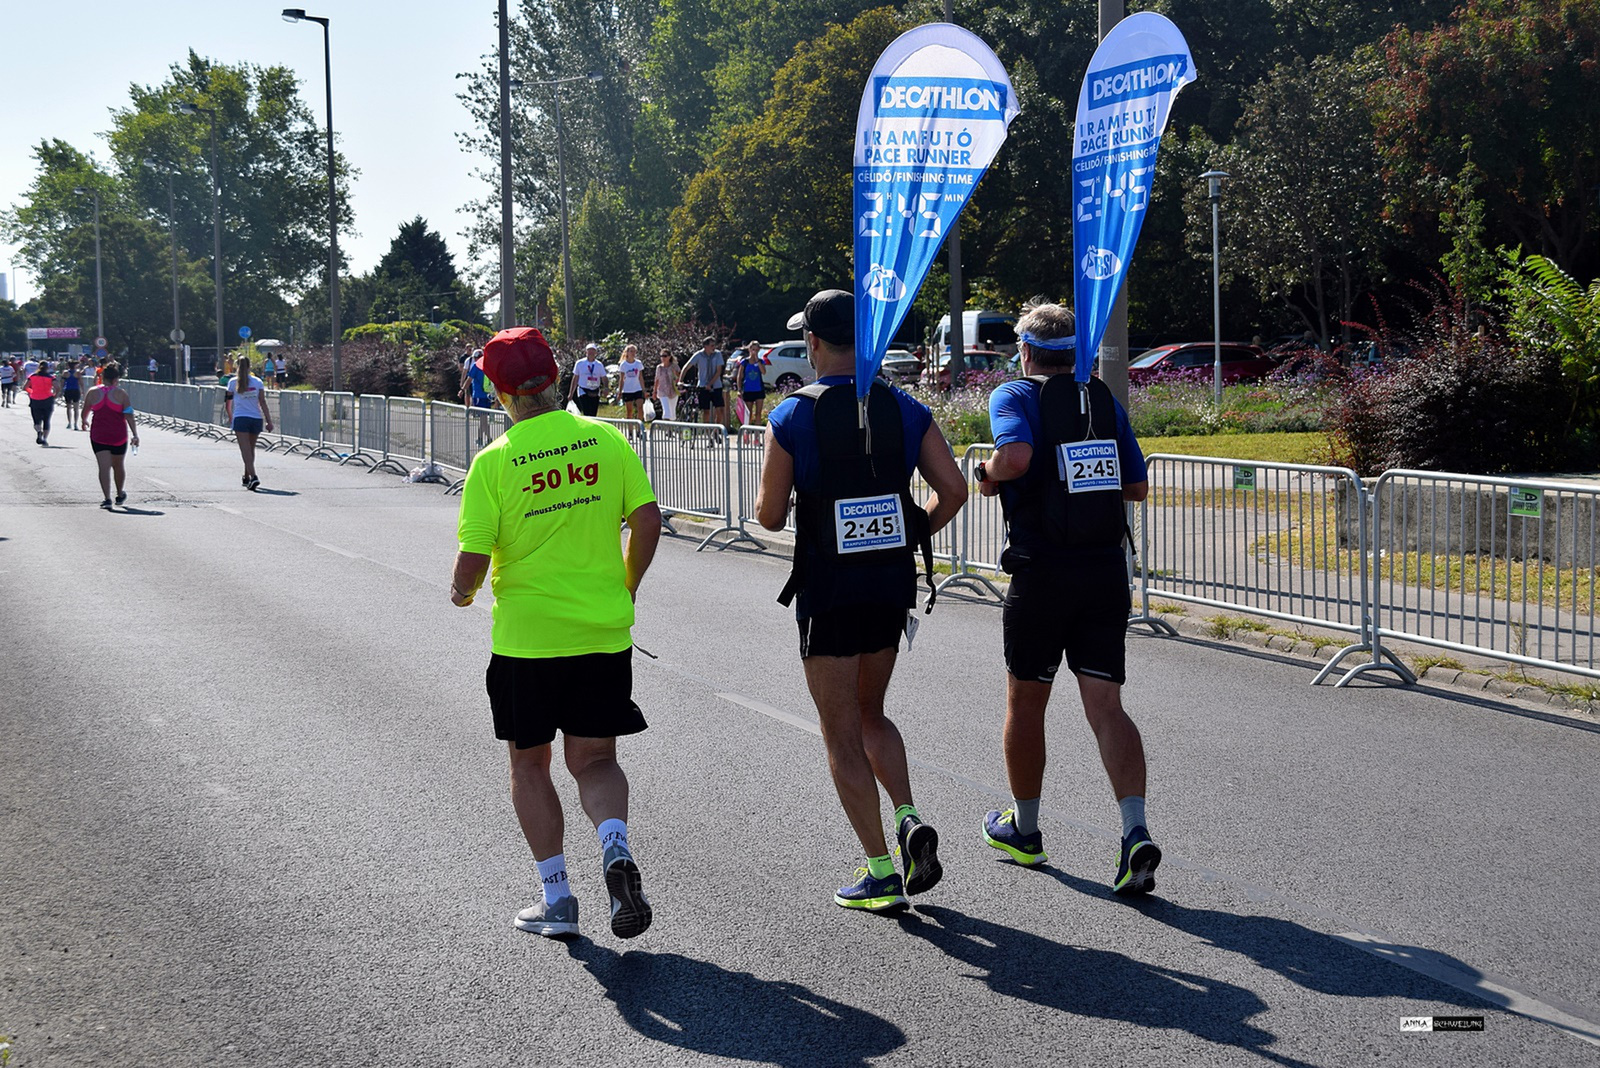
1046, 519
861, 529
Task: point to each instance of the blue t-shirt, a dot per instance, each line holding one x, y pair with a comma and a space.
1014, 417
480, 396
794, 427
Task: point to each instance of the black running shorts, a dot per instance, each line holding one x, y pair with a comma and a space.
589, 696
589, 403
851, 631
1081, 611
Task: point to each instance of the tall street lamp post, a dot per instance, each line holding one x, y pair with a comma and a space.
561, 180
172, 229
99, 293
297, 14
1214, 179
216, 218
508, 273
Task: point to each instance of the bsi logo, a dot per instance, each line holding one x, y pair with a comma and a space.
1099, 263
881, 283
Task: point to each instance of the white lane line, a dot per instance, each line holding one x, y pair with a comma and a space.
346, 553
776, 713
225, 508
160, 482
1581, 1022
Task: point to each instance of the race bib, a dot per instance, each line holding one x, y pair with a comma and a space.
865, 523
1087, 466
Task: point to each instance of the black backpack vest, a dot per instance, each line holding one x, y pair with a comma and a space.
848, 524
1079, 429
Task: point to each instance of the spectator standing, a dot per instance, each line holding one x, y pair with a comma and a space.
1064, 463
8, 382
707, 366
666, 386
543, 504
588, 379
154, 367
111, 429
857, 534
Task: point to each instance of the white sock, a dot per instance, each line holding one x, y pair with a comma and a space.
553, 874
613, 832
1132, 814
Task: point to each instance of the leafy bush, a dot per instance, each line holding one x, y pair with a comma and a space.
365, 366
1180, 402
1459, 402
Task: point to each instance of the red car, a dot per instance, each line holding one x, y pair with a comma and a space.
1240, 363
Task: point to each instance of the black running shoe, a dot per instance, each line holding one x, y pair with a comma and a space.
106, 504
919, 852
253, 484
1136, 871
121, 497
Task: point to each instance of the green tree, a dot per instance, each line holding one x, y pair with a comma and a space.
1302, 217
1550, 311
606, 292
1522, 79
271, 163
417, 274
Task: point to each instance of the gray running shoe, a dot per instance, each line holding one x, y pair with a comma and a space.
630, 910
553, 921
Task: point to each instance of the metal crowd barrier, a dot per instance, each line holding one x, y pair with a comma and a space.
337, 426
977, 535
749, 448
299, 421
691, 469
1266, 538
1499, 567
408, 431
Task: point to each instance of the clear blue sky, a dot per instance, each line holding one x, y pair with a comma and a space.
68, 63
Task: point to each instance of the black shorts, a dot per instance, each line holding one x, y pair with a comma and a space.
630, 398
589, 403
71, 396
852, 631
751, 396
1081, 611
114, 450
710, 398
589, 696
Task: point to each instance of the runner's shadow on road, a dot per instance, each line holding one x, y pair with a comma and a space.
1083, 982
700, 1006
125, 510
1307, 958
276, 493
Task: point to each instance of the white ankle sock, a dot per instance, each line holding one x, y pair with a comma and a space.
553, 874
1132, 814
613, 832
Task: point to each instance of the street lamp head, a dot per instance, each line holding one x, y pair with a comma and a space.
597, 76
186, 108
293, 14
1214, 178
80, 190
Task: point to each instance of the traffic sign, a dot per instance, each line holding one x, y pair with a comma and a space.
99, 342
244, 332
175, 335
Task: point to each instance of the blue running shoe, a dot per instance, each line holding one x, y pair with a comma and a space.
1136, 871
1000, 831
630, 910
874, 895
919, 851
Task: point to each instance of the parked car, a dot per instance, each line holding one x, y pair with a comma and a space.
1240, 363
981, 330
901, 367
975, 359
787, 367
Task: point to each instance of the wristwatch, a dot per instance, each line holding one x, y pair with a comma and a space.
983, 472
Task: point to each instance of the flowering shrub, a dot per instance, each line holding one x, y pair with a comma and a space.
1180, 402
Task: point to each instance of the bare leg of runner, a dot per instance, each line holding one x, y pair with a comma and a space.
103, 460
247, 452
534, 797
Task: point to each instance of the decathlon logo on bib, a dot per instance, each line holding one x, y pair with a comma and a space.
864, 523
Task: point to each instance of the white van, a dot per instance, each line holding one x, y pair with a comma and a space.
991, 331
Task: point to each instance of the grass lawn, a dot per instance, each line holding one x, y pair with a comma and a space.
1288, 448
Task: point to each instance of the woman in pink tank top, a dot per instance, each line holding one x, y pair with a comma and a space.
111, 428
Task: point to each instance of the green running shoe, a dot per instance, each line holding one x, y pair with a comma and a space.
919, 851
1000, 831
1136, 871
874, 895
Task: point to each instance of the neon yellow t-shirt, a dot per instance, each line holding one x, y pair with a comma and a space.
546, 501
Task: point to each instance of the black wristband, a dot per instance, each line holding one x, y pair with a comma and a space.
983, 472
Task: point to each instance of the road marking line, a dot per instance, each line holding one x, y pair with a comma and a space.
225, 508
342, 552
157, 481
1581, 1022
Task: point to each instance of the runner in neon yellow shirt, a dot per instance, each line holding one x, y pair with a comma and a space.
544, 504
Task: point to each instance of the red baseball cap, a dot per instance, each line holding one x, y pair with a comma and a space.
519, 361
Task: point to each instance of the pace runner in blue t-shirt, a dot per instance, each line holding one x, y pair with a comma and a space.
1063, 601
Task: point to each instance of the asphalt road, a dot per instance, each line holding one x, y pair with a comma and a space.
251, 814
